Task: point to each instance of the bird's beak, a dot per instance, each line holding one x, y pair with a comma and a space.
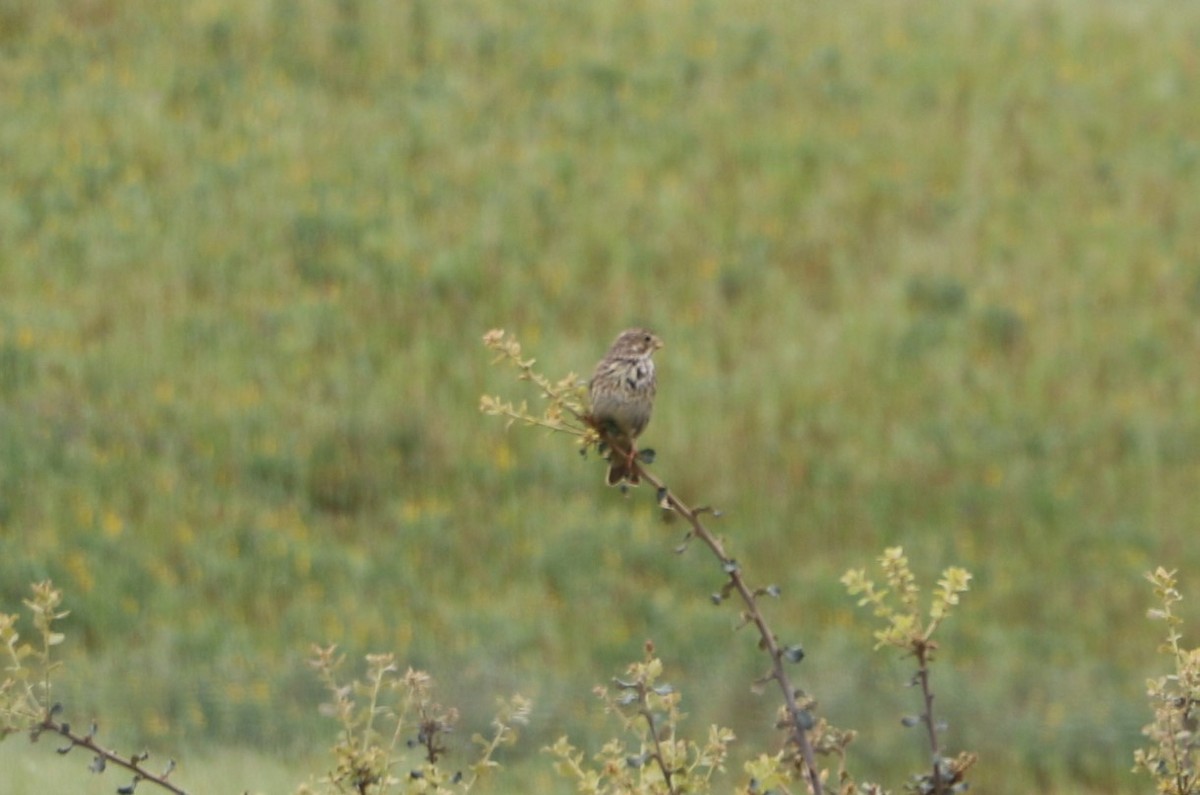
659, 344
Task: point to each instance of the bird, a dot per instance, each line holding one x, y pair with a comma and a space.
622, 393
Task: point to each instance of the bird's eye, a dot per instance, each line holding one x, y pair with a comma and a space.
646, 338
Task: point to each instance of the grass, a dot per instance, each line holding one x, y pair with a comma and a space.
927, 275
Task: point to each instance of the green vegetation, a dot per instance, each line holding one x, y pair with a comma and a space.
928, 275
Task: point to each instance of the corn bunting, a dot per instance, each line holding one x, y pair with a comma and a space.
622, 393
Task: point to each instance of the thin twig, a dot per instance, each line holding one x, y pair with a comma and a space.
922, 655
132, 763
658, 754
768, 642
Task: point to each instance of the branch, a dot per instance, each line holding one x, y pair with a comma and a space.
922, 655
103, 756
799, 719
658, 754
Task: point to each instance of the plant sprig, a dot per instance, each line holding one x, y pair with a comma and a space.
565, 398
25, 691
658, 760
384, 717
910, 629
1175, 698
26, 694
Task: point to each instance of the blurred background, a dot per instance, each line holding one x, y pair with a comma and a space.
928, 275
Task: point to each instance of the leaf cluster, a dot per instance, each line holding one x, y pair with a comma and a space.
565, 398
393, 733
1174, 734
910, 628
906, 626
25, 694
25, 688
654, 759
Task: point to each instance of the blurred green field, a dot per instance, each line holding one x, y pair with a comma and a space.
928, 274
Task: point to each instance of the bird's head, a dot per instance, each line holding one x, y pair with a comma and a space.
636, 342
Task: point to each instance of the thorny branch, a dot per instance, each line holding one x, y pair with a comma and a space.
103, 756
800, 719
922, 654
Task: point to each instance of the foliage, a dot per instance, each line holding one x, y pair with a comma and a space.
26, 703
386, 718
393, 733
564, 409
1171, 759
907, 628
656, 759
26, 687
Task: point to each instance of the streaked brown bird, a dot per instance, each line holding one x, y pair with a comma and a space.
622, 392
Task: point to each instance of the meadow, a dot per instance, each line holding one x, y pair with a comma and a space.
928, 275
